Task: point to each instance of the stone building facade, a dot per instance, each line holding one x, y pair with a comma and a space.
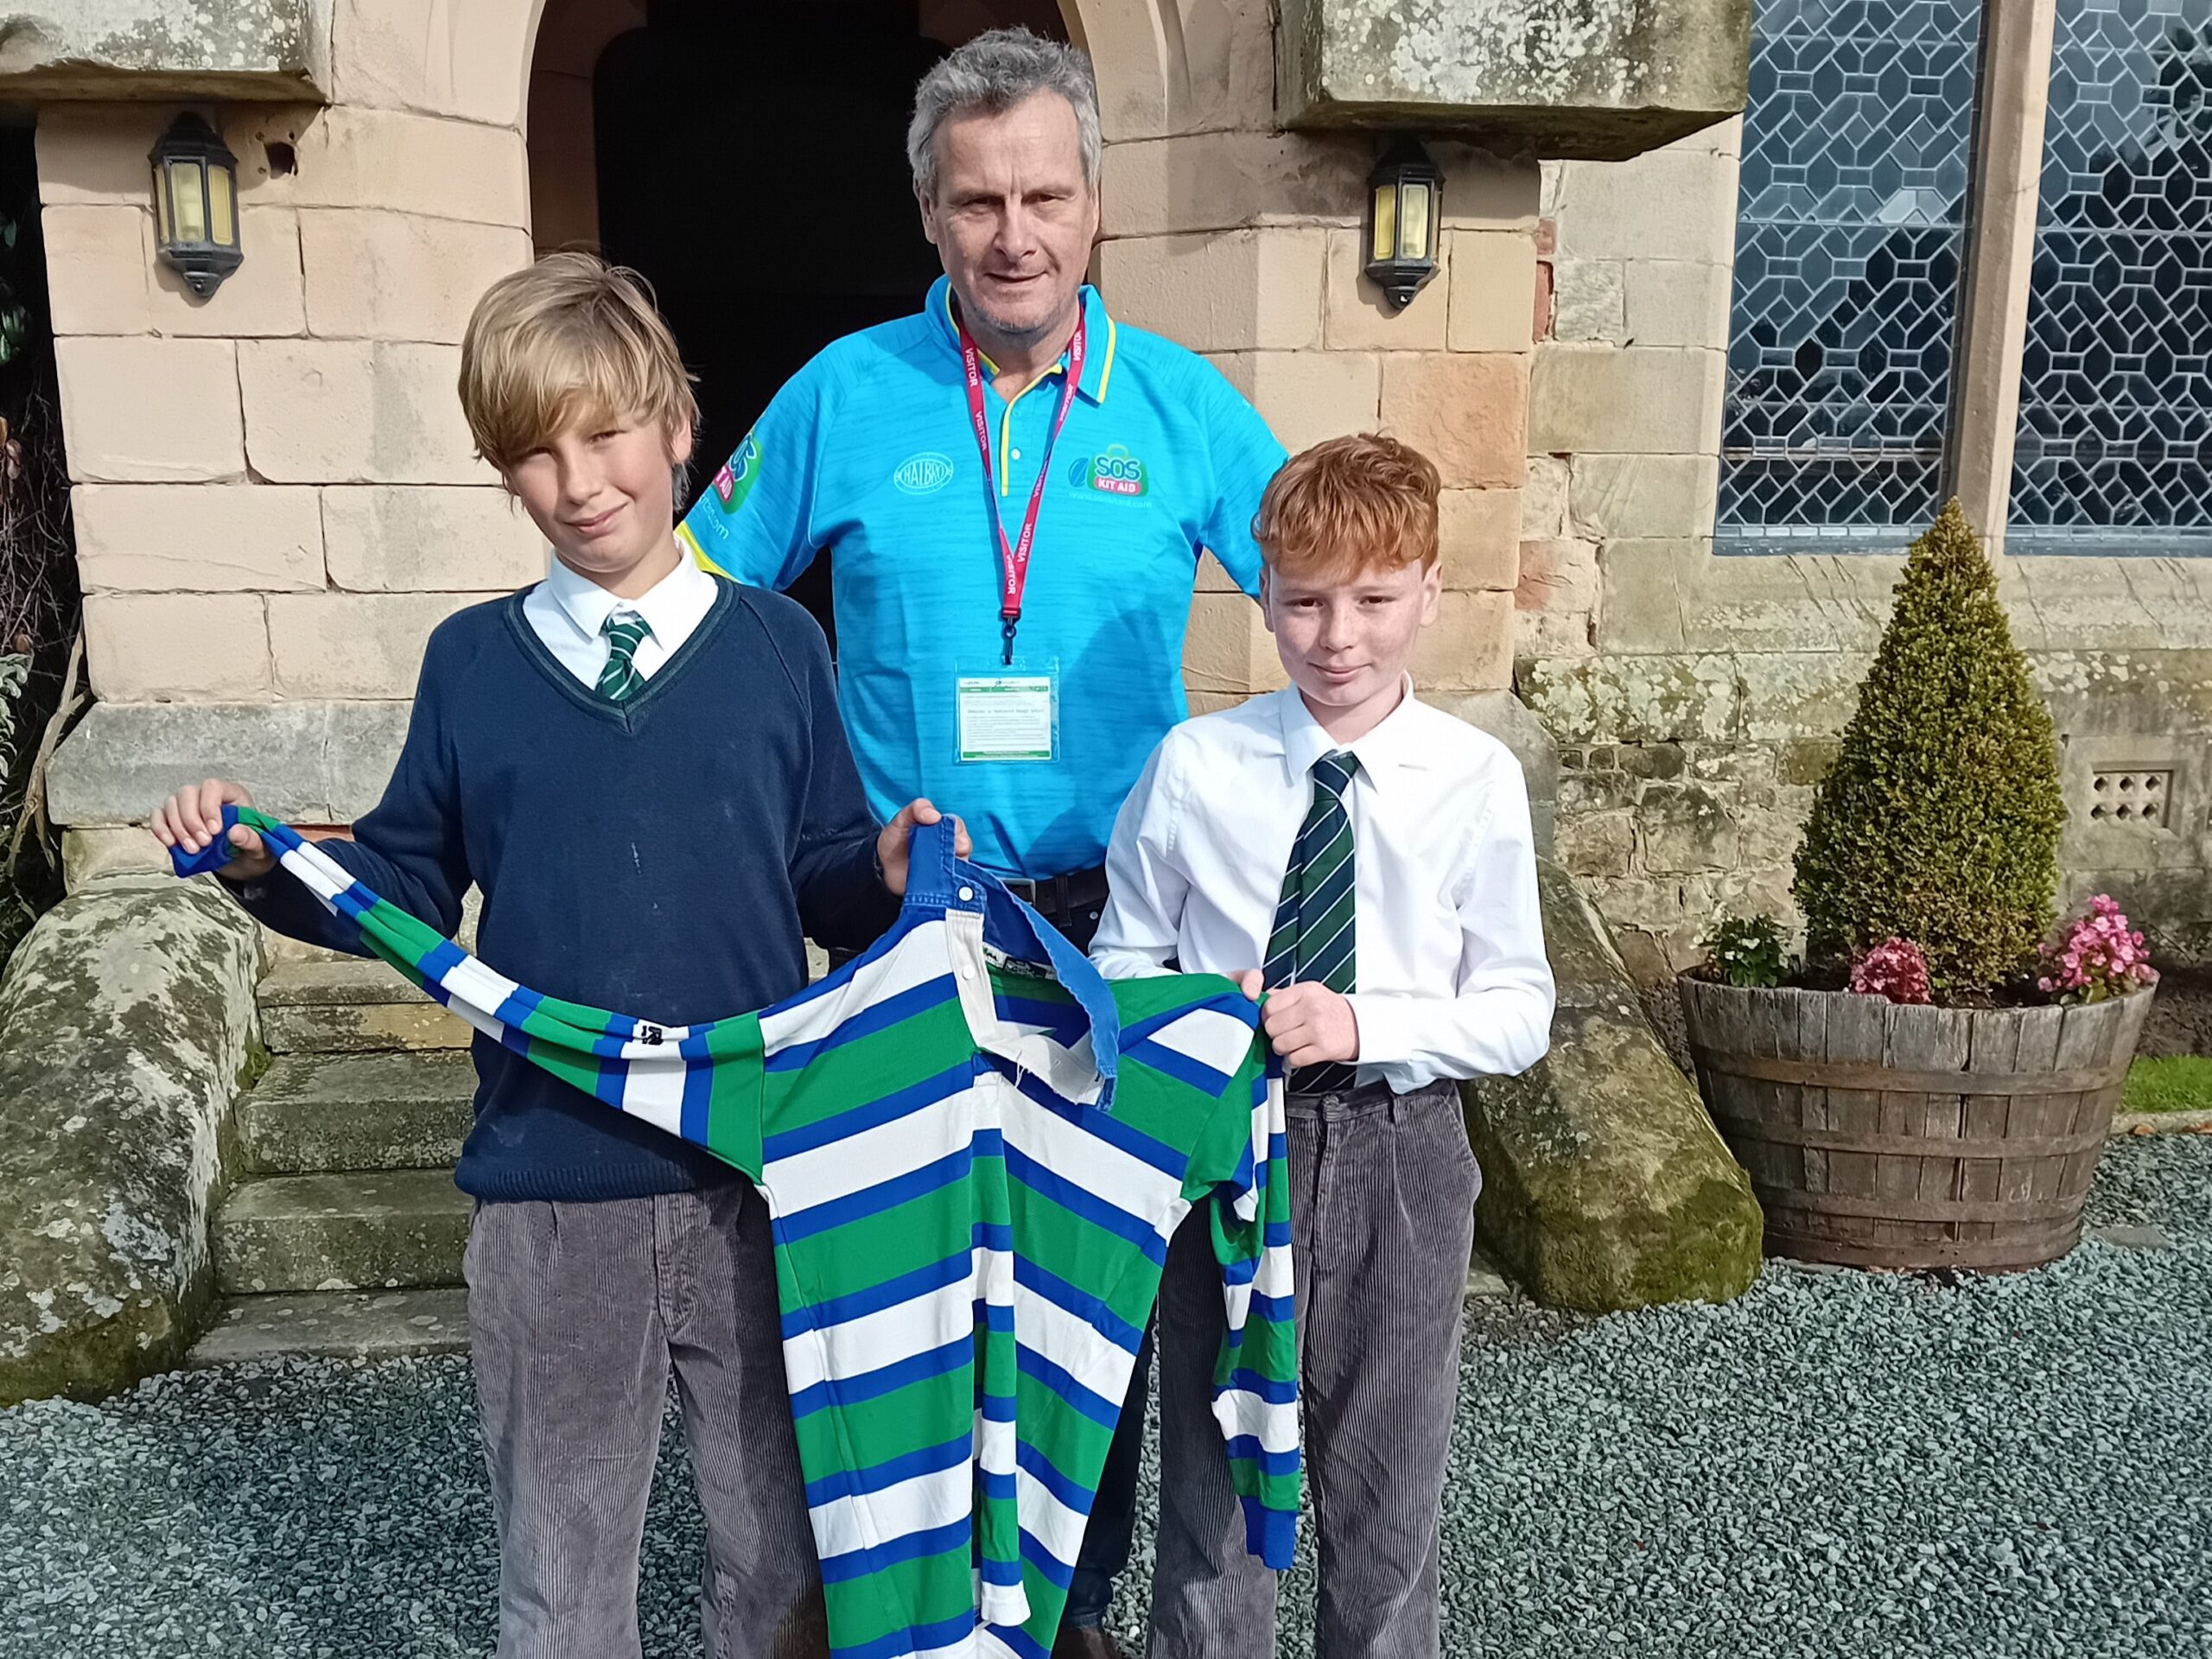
275, 500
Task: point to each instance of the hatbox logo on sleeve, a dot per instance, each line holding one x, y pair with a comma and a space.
738, 474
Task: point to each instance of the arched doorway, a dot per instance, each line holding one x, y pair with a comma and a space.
758, 180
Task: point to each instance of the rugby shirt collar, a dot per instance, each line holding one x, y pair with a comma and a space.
1098, 348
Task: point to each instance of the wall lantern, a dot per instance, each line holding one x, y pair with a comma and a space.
1405, 205
196, 204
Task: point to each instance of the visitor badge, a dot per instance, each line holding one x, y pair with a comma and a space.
1013, 714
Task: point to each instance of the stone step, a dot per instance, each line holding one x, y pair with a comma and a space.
396, 1230
407, 1109
337, 1325
350, 1006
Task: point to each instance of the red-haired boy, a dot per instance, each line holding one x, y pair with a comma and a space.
1367, 859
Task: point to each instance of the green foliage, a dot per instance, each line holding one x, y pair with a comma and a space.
1939, 820
1747, 951
2182, 1084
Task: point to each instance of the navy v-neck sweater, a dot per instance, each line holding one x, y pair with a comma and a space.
661, 857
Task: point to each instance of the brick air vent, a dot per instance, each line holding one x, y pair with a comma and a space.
2135, 796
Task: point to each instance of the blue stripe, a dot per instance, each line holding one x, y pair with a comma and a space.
1103, 1125
1081, 1303
1075, 1495
1235, 1004
1282, 1393
1277, 1146
349, 902
999, 1487
877, 1016
1247, 1447
908, 1465
1179, 1066
613, 1074
441, 959
1100, 1410
1064, 1022
1241, 1271
1272, 1535
884, 1195
902, 1288
996, 1407
857, 1120
995, 1318
1052, 1566
1000, 1573
915, 1638
1024, 1645
859, 1563
518, 1006
1278, 1235
1276, 1310
1088, 1206
698, 1097
995, 1236
884, 1379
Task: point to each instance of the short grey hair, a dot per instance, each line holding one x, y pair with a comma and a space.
989, 75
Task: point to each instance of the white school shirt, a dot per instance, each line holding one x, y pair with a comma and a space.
567, 612
1452, 973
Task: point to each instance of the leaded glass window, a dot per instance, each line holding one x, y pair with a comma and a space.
1856, 144
2114, 450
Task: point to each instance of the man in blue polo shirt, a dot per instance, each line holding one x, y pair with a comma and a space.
1014, 489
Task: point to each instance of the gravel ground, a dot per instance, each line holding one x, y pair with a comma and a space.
1838, 1464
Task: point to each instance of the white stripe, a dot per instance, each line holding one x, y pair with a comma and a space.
883, 1338
988, 1646
653, 1090
919, 957
842, 1167
1004, 1604
994, 1276
1084, 1159
995, 1446
1273, 1277
845, 1524
1239, 1411
1209, 1037
469, 981
1044, 1517
1072, 1345
322, 874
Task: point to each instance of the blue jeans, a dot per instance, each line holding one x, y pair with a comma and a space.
1105, 1549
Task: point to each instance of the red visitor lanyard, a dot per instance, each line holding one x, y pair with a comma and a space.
1014, 557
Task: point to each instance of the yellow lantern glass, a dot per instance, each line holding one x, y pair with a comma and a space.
1413, 230
1386, 220
222, 215
188, 202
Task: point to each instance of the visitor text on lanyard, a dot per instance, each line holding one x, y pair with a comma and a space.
1013, 556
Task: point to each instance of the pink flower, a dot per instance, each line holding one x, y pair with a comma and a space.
1895, 969
2099, 956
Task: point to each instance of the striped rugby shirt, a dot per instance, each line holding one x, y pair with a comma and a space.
974, 1151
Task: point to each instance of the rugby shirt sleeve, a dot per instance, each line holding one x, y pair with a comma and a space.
754, 521
408, 847
1255, 1376
1245, 456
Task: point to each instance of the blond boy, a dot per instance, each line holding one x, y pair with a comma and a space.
1367, 859
641, 768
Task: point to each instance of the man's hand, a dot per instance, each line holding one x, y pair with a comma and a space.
891, 845
1309, 1024
193, 817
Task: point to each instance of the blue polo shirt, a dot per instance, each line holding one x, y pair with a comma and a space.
869, 451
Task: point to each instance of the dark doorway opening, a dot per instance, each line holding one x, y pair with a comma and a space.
752, 163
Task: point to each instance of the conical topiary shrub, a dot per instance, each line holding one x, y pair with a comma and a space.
1939, 821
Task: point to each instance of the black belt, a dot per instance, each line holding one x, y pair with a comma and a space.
1058, 897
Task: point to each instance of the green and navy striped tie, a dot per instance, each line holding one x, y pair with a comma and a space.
1316, 933
620, 680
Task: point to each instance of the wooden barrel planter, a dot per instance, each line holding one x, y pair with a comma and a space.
1882, 1136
